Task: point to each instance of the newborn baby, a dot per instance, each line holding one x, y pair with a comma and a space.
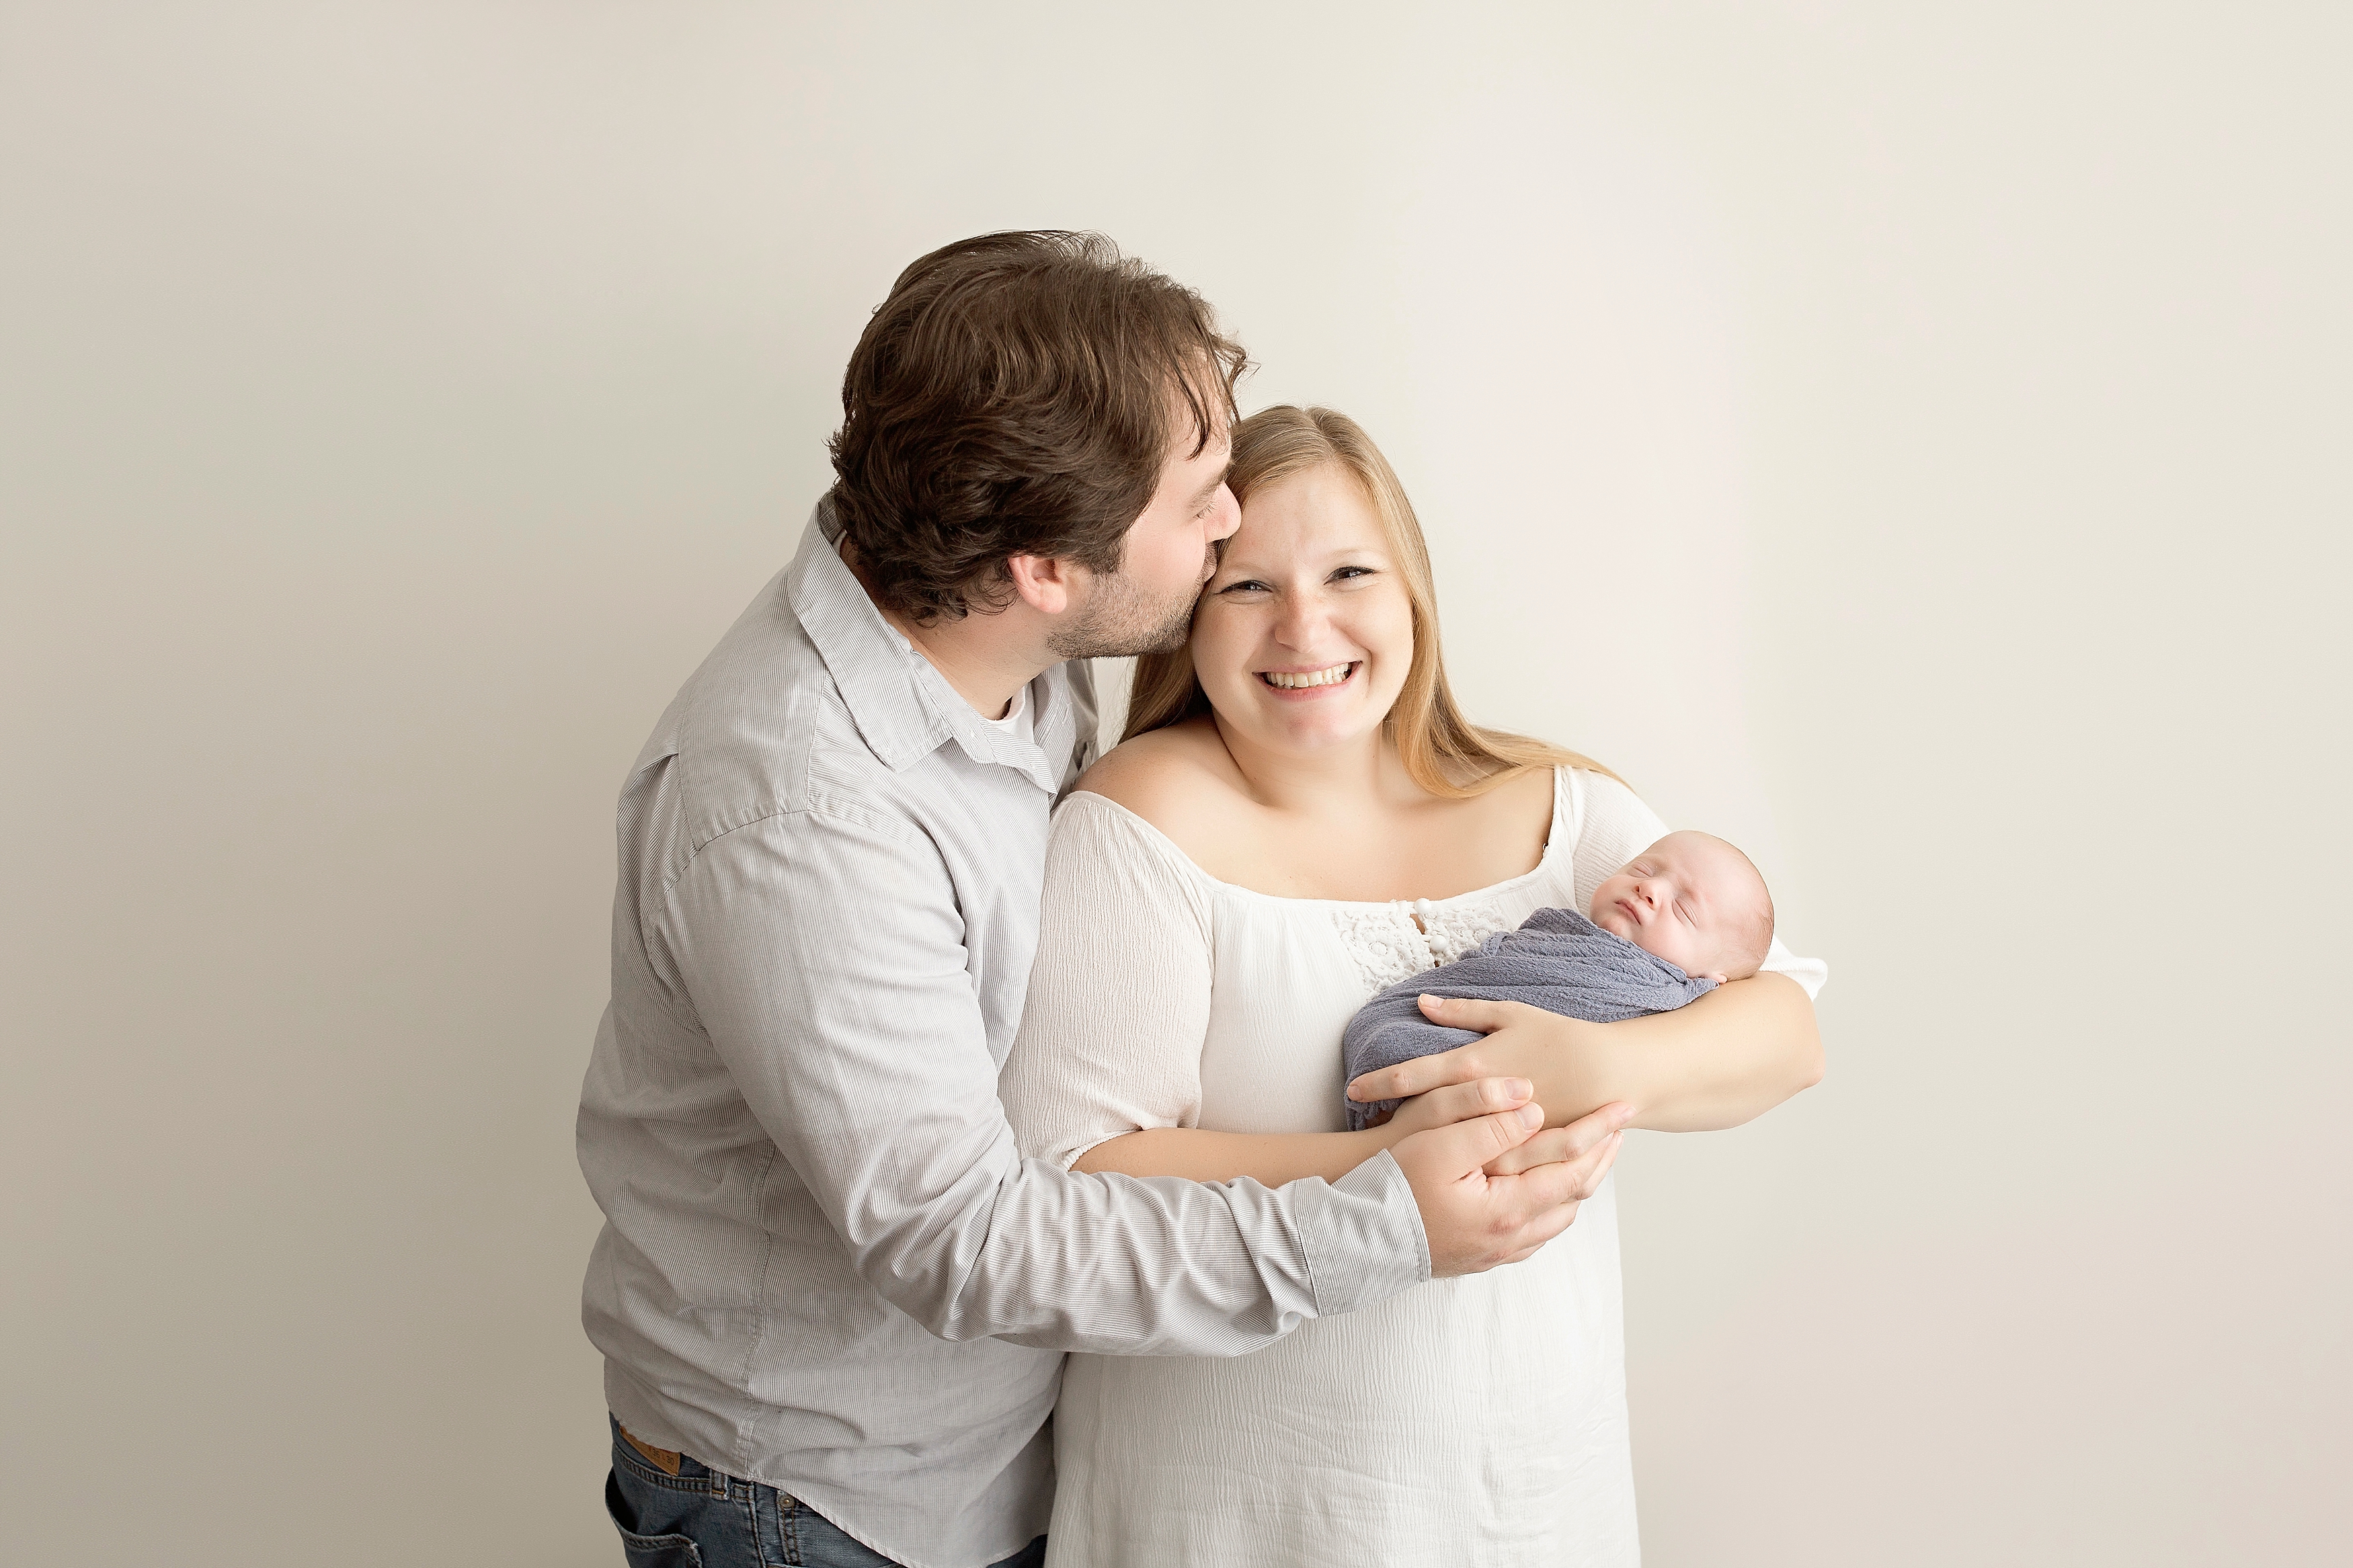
1677, 921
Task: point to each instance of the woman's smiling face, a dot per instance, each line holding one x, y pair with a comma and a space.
1305, 632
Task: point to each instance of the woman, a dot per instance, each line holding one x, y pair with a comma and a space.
1299, 817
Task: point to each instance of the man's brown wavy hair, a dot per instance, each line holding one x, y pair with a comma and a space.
1017, 395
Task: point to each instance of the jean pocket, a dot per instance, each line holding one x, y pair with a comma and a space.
648, 1550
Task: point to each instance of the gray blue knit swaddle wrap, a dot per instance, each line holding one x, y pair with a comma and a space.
1557, 960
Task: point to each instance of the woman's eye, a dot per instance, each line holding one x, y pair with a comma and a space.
1345, 573
1247, 586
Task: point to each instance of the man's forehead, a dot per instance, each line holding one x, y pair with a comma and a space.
1197, 476
1199, 407
1216, 455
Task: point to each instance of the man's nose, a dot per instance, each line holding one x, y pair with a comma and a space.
1225, 516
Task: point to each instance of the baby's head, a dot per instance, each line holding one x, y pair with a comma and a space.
1693, 901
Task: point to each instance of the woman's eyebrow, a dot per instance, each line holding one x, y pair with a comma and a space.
1346, 555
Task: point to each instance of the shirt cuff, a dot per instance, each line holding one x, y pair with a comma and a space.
1362, 1236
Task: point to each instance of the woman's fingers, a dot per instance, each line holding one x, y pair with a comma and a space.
1460, 1065
1465, 1013
1460, 1101
1418, 1076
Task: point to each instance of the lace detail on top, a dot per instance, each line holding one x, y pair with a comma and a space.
1453, 932
1383, 941
1393, 941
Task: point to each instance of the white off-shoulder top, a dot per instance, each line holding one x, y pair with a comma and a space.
1480, 1420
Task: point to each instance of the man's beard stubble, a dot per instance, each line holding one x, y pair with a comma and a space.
1121, 622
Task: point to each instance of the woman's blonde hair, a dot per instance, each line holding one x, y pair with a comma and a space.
1442, 752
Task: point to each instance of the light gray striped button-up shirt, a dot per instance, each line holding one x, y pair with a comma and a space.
816, 1217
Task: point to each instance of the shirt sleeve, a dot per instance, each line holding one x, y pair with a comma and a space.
825, 958
1612, 825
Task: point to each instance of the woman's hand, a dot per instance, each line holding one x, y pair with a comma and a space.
1520, 1039
1733, 1055
1453, 1102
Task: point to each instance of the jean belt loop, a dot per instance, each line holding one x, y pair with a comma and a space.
719, 1483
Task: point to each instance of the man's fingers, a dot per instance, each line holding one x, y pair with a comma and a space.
1560, 1181
1474, 1220
1565, 1143
1549, 1148
1523, 1254
1591, 1129
1554, 1148
1533, 1236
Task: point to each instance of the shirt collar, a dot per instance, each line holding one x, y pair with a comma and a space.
904, 709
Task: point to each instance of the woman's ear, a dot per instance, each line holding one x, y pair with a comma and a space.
1045, 583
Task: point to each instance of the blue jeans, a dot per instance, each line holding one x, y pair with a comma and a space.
701, 1519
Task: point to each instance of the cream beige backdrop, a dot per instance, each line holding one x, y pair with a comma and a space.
1909, 439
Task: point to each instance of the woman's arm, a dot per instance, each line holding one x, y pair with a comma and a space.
1274, 1158
1733, 1055
1201, 1155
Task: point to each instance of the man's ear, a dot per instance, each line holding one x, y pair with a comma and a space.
1045, 583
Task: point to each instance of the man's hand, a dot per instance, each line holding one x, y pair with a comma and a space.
1492, 1189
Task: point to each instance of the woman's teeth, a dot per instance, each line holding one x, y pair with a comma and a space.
1330, 675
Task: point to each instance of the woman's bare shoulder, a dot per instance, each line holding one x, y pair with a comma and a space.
1529, 795
1176, 779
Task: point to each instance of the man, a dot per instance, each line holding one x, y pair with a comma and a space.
830, 1295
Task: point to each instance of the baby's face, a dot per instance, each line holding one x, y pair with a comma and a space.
1693, 901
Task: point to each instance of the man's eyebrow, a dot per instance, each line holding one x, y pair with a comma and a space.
1201, 496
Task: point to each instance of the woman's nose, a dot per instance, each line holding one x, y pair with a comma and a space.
1302, 621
